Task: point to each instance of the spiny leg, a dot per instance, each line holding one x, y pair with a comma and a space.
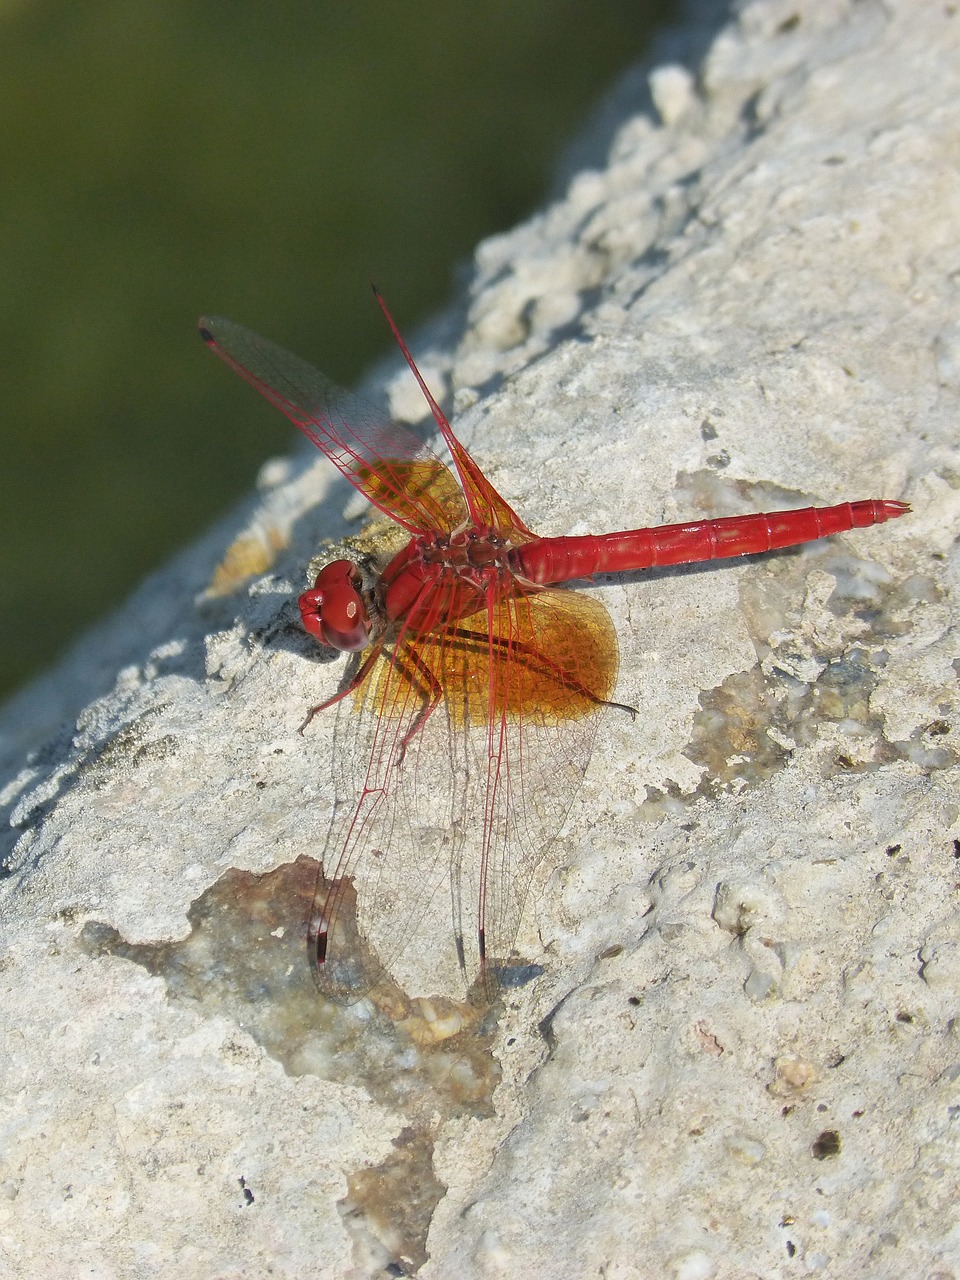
361, 674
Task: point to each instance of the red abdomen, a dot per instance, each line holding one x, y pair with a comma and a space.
563, 559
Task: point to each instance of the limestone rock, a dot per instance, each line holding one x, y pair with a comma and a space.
735, 1052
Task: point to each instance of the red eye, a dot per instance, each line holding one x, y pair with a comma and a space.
334, 611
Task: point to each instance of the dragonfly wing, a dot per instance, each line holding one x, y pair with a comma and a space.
398, 823
394, 469
553, 668
487, 508
441, 840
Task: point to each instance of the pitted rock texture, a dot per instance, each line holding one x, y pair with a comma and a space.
736, 1051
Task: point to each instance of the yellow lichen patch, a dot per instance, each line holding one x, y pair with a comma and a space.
246, 557
374, 545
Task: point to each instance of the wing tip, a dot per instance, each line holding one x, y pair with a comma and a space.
207, 327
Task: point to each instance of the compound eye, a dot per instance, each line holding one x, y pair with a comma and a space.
334, 611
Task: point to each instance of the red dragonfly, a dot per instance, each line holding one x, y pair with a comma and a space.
478, 691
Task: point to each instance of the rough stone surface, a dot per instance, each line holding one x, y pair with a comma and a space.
742, 1057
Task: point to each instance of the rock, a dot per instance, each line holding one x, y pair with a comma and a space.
734, 1049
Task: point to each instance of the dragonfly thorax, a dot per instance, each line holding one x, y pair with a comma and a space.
442, 578
469, 552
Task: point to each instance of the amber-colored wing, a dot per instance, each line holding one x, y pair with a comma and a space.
488, 509
395, 470
477, 795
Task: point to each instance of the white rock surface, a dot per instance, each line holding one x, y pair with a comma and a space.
743, 1056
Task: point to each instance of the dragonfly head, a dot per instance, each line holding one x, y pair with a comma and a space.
334, 610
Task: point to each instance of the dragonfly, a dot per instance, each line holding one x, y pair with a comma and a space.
478, 677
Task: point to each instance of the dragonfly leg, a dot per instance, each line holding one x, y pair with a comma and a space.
415, 671
361, 674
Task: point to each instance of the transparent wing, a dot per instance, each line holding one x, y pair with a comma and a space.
395, 470
441, 838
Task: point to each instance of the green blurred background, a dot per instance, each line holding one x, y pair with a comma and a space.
261, 160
